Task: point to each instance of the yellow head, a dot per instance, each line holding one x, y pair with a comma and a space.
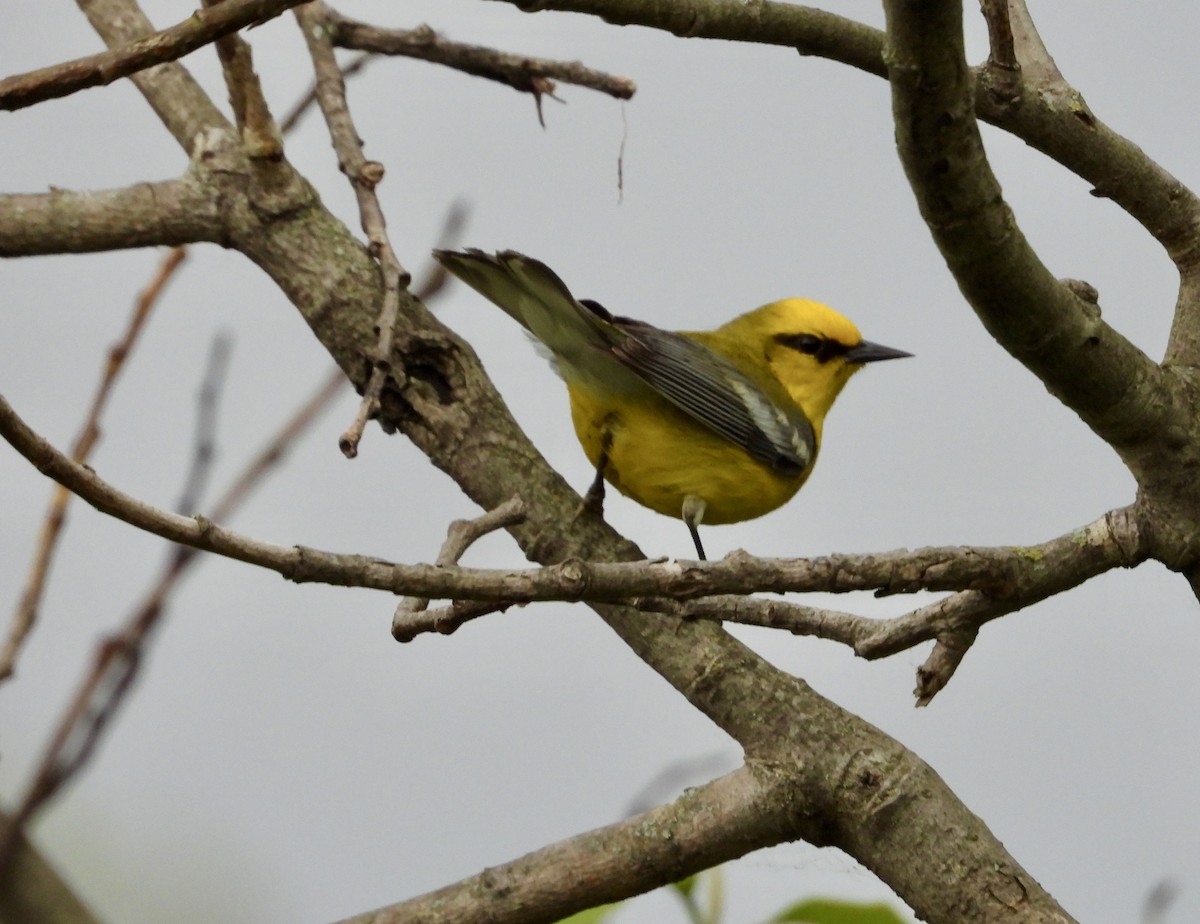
805, 347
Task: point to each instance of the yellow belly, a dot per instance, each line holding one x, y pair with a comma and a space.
657, 456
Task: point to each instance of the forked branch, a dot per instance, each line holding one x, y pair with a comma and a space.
199, 29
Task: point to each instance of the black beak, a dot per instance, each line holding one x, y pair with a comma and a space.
868, 352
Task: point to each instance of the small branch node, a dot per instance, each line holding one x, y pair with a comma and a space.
371, 173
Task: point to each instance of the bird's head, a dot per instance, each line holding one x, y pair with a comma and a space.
809, 348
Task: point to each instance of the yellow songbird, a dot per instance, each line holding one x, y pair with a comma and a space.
709, 426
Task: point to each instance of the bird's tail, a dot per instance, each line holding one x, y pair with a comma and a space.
533, 295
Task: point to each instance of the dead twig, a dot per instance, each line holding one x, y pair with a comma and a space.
292, 119
25, 616
119, 656
364, 176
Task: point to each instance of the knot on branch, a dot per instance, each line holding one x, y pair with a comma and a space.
872, 783
431, 369
576, 577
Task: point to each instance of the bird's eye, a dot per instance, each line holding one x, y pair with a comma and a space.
805, 343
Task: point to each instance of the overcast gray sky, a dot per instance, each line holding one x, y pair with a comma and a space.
284, 759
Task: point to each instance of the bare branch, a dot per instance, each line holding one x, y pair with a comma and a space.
995, 570
522, 73
179, 102
460, 536
144, 215
302, 106
1041, 321
364, 176
260, 135
1050, 116
202, 27
27, 609
1032, 56
119, 657
705, 826
1002, 69
1113, 541
810, 31
884, 788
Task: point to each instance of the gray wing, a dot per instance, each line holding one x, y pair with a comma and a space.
716, 393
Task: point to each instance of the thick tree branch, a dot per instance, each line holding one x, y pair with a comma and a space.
1042, 111
704, 827
169, 213
198, 30
1043, 323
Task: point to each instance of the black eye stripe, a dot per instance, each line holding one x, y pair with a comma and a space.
823, 348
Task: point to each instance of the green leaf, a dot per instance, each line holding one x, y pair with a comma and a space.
686, 887
831, 911
592, 915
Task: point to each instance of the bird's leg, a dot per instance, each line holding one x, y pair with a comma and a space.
593, 500
693, 513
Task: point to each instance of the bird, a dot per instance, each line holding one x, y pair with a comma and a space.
710, 427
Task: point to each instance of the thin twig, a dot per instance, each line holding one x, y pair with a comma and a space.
1002, 71
535, 76
460, 536
26, 613
200, 28
292, 119
1001, 51
118, 657
364, 176
205, 447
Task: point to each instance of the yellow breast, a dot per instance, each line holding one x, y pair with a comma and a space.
657, 456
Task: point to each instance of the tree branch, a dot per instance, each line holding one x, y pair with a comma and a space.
144, 215
704, 827
178, 101
522, 73
198, 30
1005, 572
32, 891
27, 608
1046, 113
1042, 322
364, 176
260, 135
